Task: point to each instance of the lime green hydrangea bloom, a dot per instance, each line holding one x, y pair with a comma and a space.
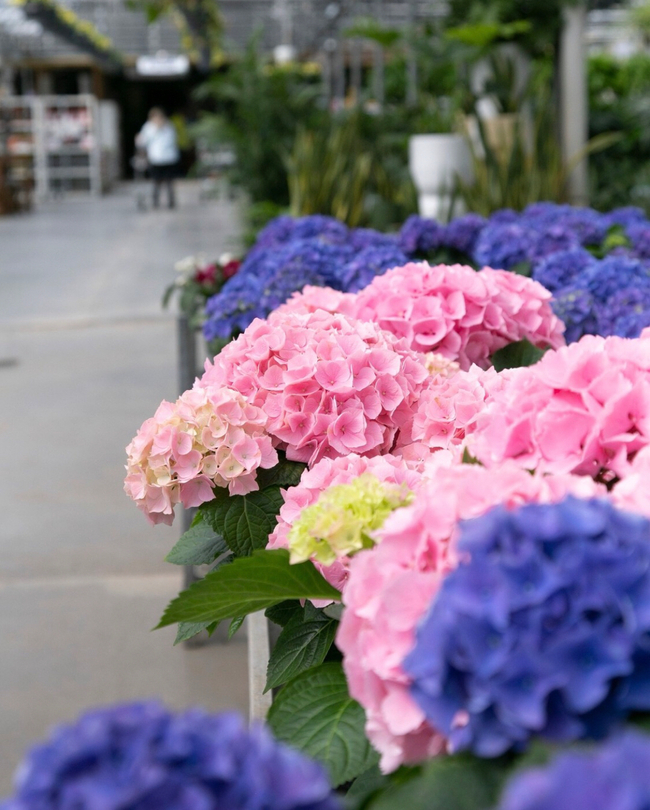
343, 518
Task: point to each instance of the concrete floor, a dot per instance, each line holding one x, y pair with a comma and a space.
86, 354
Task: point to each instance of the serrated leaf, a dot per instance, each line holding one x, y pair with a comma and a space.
285, 474
246, 585
244, 521
458, 782
250, 519
315, 714
235, 624
303, 644
282, 613
198, 546
516, 355
187, 630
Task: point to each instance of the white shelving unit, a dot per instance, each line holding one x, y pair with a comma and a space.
71, 141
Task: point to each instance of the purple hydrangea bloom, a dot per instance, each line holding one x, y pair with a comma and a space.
267, 279
543, 629
141, 757
462, 233
612, 776
317, 226
503, 217
639, 235
276, 232
625, 216
504, 245
362, 238
371, 262
606, 277
626, 309
559, 269
419, 236
589, 227
576, 308
551, 239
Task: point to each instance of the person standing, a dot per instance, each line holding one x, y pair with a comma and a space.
158, 138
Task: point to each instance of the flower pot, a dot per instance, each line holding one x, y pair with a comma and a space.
434, 162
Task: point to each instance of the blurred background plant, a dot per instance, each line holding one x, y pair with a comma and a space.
619, 99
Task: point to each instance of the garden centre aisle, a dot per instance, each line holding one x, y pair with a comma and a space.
86, 354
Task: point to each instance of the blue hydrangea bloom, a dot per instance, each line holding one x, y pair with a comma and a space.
576, 308
504, 245
462, 233
371, 262
613, 776
549, 239
605, 277
267, 278
419, 236
503, 217
362, 238
625, 216
141, 757
559, 269
543, 629
626, 307
639, 235
589, 227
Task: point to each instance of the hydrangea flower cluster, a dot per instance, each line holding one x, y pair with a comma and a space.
633, 492
140, 755
615, 774
542, 629
390, 588
329, 385
310, 299
328, 473
584, 408
459, 313
290, 254
449, 406
202, 440
342, 520
420, 237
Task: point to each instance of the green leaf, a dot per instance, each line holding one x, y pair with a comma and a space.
250, 519
515, 355
303, 644
468, 458
285, 474
246, 585
198, 546
315, 714
244, 521
364, 787
235, 624
282, 613
447, 783
187, 630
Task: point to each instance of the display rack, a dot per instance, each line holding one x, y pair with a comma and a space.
60, 144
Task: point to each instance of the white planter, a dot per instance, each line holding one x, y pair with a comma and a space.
434, 162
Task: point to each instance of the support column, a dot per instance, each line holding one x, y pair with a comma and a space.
574, 123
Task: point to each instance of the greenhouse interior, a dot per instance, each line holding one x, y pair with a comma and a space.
325, 366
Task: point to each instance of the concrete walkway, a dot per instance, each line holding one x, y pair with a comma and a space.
86, 354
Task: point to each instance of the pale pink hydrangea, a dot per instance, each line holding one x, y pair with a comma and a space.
329, 385
633, 492
310, 299
584, 408
331, 472
202, 440
391, 586
459, 313
440, 366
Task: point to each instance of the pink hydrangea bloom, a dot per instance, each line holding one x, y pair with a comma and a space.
202, 440
329, 385
449, 406
633, 492
584, 408
391, 586
328, 473
459, 313
310, 299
